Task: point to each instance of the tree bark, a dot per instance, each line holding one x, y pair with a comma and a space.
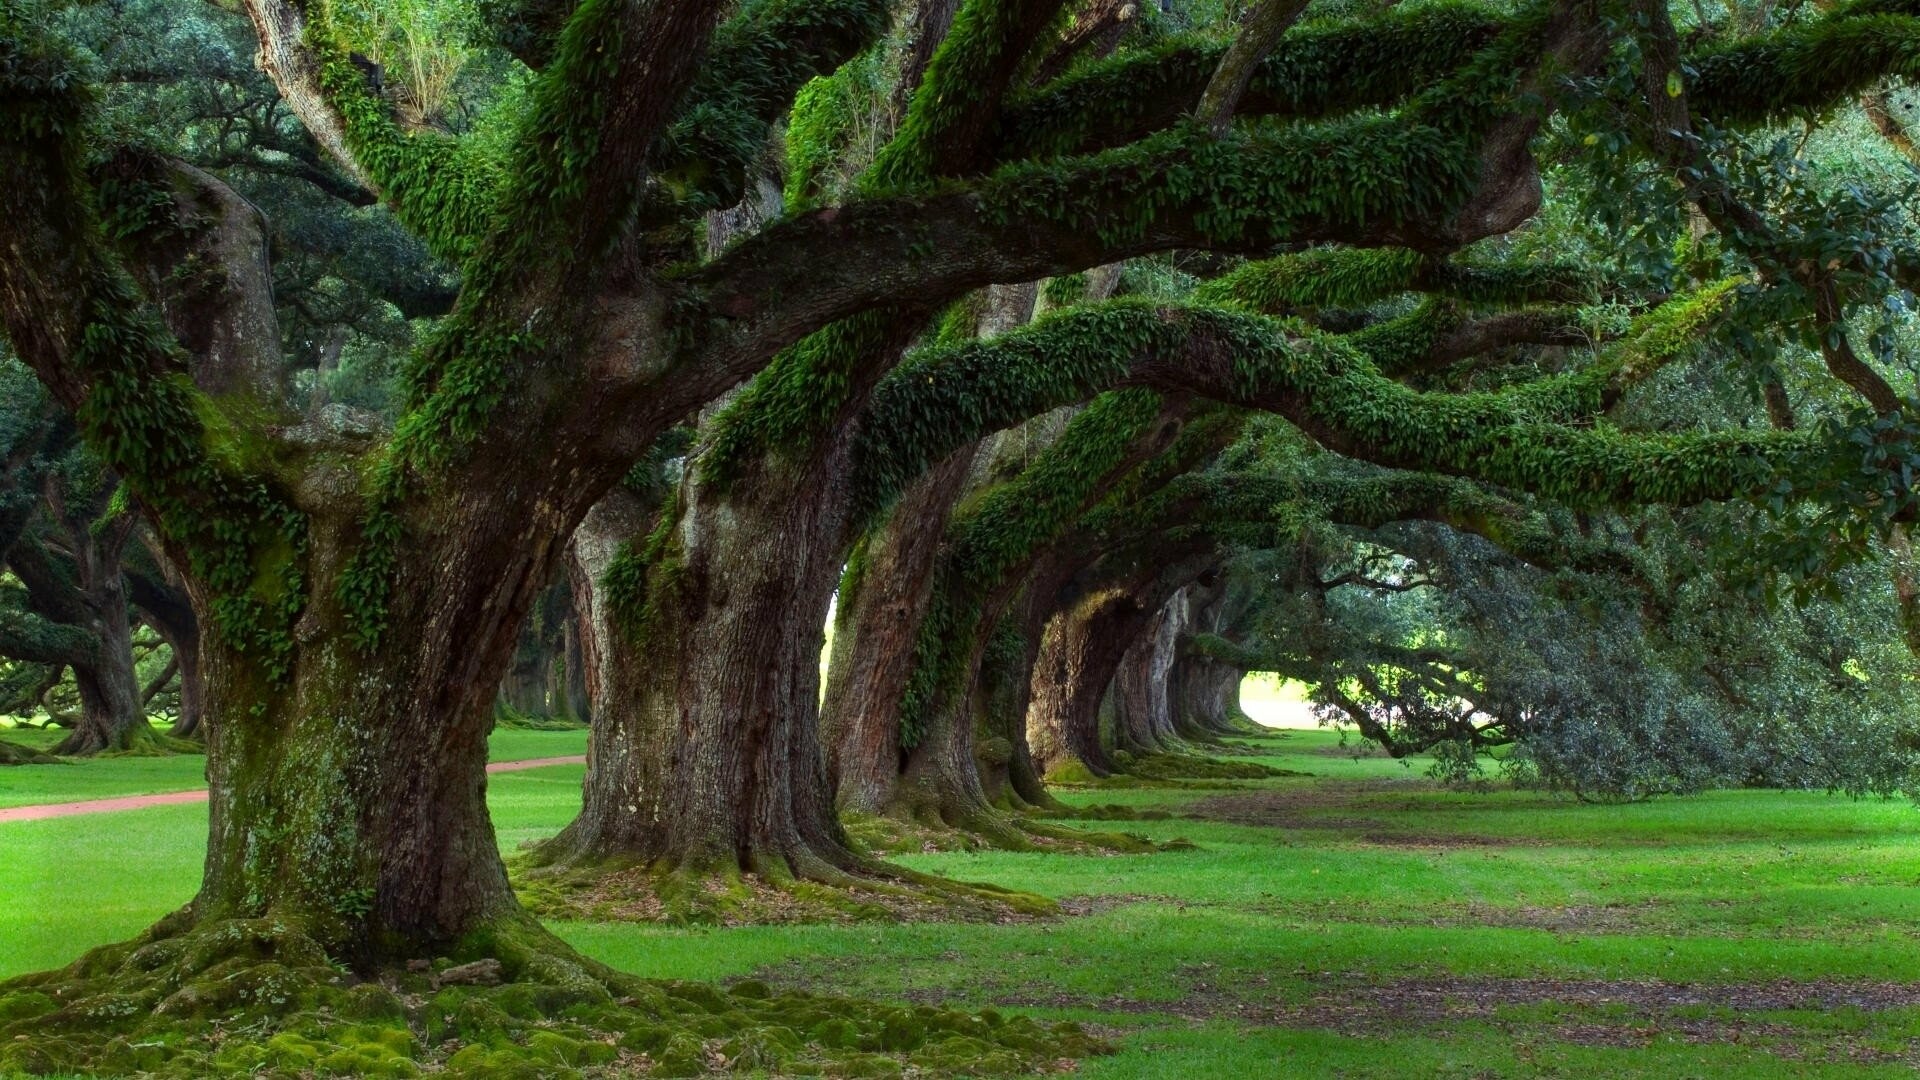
933, 776
350, 796
1206, 697
1081, 649
1143, 714
154, 589
90, 593
1205, 692
876, 629
705, 754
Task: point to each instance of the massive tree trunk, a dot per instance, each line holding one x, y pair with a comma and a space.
1088, 634
895, 583
350, 795
1142, 710
883, 599
705, 752
1000, 694
89, 593
1206, 697
1204, 691
112, 711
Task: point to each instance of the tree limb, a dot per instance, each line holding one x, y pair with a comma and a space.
1264, 26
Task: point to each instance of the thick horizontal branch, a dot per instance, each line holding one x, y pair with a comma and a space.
1806, 68
28, 637
1448, 170
1315, 72
1371, 181
1520, 437
1322, 70
1355, 278
1438, 335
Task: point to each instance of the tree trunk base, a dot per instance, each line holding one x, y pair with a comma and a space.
260, 997
904, 830
626, 890
12, 753
139, 740
1148, 770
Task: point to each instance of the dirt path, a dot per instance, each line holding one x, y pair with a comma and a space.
174, 798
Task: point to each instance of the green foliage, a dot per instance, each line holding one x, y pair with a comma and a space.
1512, 436
965, 79
1318, 70
796, 399
1358, 278
421, 44
996, 534
758, 62
442, 192
142, 416
836, 119
1808, 68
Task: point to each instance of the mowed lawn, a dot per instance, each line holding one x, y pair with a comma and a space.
1354, 922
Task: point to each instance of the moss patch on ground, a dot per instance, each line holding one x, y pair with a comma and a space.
638, 893
259, 998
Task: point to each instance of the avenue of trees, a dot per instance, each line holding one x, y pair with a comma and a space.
1533, 380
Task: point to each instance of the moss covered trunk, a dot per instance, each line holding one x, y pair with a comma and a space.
348, 794
1146, 688
1001, 692
352, 801
705, 752
1206, 697
111, 712
1143, 718
883, 598
1098, 618
1069, 681
90, 593
1204, 691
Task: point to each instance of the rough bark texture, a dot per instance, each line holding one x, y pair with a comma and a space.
1205, 692
82, 588
706, 752
353, 798
1092, 628
876, 628
1206, 698
1140, 695
878, 635
1000, 691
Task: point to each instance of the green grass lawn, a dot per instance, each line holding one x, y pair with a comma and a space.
1357, 922
111, 777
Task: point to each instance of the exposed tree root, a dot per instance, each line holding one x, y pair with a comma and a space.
1172, 770
142, 741
1110, 812
12, 753
989, 829
260, 998
1194, 767
617, 891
